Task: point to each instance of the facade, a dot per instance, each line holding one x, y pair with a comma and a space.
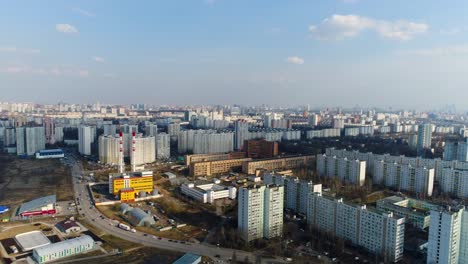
205, 142
144, 149
189, 159
377, 232
261, 149
456, 151
448, 236
241, 133
438, 164
250, 167
209, 168
455, 182
424, 136
296, 192
405, 177
351, 171
86, 136
324, 133
128, 185
29, 140
63, 249
208, 192
273, 211
163, 146
260, 212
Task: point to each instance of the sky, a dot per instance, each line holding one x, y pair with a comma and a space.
398, 53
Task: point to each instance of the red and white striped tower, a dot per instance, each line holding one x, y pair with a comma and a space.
132, 155
121, 154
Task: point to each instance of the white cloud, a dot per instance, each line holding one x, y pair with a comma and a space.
83, 12
440, 51
12, 49
99, 59
66, 28
339, 27
295, 60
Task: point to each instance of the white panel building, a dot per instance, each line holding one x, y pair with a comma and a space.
163, 146
455, 182
379, 233
448, 236
86, 136
29, 140
404, 177
351, 171
260, 211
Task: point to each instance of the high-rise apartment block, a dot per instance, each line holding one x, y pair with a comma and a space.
405, 177
456, 151
351, 171
29, 140
424, 137
260, 211
448, 236
380, 233
86, 135
163, 146
241, 133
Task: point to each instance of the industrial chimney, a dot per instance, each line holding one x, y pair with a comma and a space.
132, 154
121, 154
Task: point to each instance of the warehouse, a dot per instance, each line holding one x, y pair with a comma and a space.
63, 249
40, 206
139, 218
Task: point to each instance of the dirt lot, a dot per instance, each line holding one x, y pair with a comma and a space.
22, 180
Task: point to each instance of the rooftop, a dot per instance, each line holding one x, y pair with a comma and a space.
31, 240
66, 244
187, 259
37, 203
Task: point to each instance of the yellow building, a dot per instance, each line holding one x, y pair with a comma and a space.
128, 186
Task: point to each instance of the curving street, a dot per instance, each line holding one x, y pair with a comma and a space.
94, 217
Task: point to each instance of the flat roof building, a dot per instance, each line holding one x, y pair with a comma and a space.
31, 240
208, 192
40, 206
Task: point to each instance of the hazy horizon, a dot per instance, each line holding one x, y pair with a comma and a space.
322, 53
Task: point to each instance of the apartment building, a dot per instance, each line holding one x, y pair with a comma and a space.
378, 232
351, 171
260, 211
448, 236
405, 177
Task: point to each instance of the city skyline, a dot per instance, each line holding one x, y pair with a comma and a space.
321, 53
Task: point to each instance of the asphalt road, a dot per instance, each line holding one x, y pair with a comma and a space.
94, 217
